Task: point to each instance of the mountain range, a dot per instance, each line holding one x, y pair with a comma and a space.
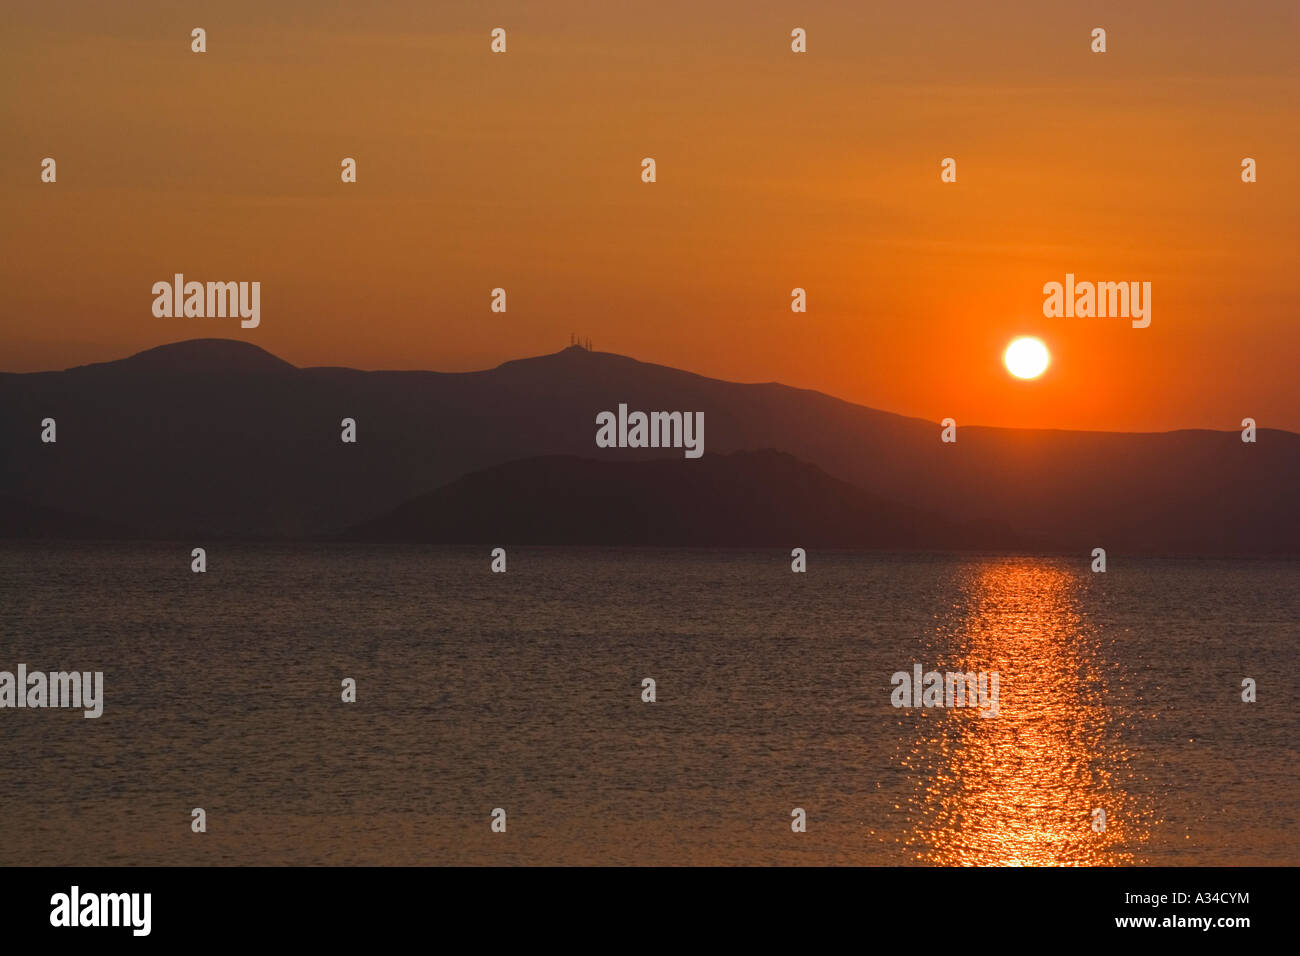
220, 438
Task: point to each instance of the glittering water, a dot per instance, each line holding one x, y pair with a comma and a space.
1119, 691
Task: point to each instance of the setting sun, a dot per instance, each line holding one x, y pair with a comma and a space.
1026, 358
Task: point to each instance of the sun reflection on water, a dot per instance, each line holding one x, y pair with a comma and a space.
1019, 789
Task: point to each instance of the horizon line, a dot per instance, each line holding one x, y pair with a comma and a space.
576, 347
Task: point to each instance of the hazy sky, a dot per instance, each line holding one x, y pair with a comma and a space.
775, 170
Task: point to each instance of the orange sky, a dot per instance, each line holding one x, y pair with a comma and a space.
775, 170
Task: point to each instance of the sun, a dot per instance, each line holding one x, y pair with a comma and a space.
1026, 357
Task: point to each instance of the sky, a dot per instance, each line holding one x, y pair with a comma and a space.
775, 170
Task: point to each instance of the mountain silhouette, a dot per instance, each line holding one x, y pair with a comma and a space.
745, 499
221, 437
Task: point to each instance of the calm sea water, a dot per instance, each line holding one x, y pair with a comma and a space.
523, 691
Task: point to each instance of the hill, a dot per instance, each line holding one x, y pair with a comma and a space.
745, 499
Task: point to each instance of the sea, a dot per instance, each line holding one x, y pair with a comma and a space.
1146, 715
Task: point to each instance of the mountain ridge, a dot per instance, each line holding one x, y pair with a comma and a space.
222, 436
255, 355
